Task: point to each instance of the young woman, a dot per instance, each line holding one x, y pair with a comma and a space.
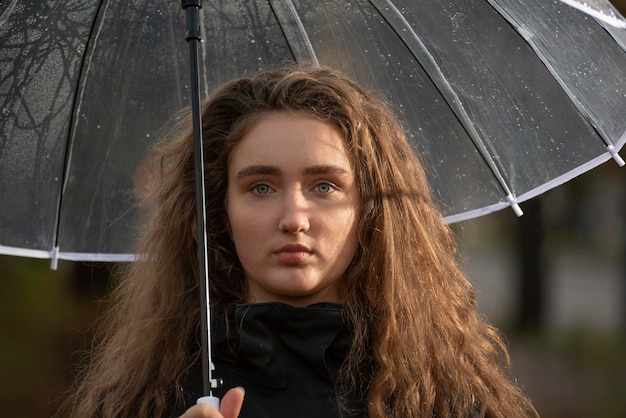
334, 286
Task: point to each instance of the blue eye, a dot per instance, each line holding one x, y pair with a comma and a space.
261, 189
325, 188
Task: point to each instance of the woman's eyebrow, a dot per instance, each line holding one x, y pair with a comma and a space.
253, 170
326, 169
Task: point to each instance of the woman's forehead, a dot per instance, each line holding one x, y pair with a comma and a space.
281, 136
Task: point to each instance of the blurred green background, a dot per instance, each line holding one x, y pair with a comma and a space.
554, 281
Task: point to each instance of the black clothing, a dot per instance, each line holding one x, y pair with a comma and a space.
286, 358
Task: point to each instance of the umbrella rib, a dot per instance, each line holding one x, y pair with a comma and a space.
287, 16
423, 56
7, 12
78, 98
611, 19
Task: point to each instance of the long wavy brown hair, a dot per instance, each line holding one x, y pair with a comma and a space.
427, 351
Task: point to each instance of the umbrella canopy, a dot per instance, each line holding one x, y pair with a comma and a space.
502, 99
600, 9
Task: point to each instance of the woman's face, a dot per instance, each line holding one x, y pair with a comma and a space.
292, 206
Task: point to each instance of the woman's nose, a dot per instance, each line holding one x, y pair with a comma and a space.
294, 217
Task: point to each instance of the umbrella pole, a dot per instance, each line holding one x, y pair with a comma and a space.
193, 38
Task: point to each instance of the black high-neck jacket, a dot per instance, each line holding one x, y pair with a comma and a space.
286, 359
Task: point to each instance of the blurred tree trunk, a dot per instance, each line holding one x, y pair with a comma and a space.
531, 266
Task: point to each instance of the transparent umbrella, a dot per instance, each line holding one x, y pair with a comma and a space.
502, 99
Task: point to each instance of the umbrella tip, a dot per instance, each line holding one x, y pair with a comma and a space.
514, 205
618, 159
54, 258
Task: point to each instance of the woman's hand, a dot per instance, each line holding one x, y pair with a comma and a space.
230, 405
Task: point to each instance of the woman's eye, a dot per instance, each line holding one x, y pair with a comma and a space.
260, 189
325, 188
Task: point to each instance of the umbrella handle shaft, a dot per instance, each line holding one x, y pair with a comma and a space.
193, 38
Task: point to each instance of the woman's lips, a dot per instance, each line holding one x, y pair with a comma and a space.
293, 253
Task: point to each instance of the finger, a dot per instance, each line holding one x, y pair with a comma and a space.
201, 411
231, 403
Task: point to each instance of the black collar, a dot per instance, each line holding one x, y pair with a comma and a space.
270, 344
